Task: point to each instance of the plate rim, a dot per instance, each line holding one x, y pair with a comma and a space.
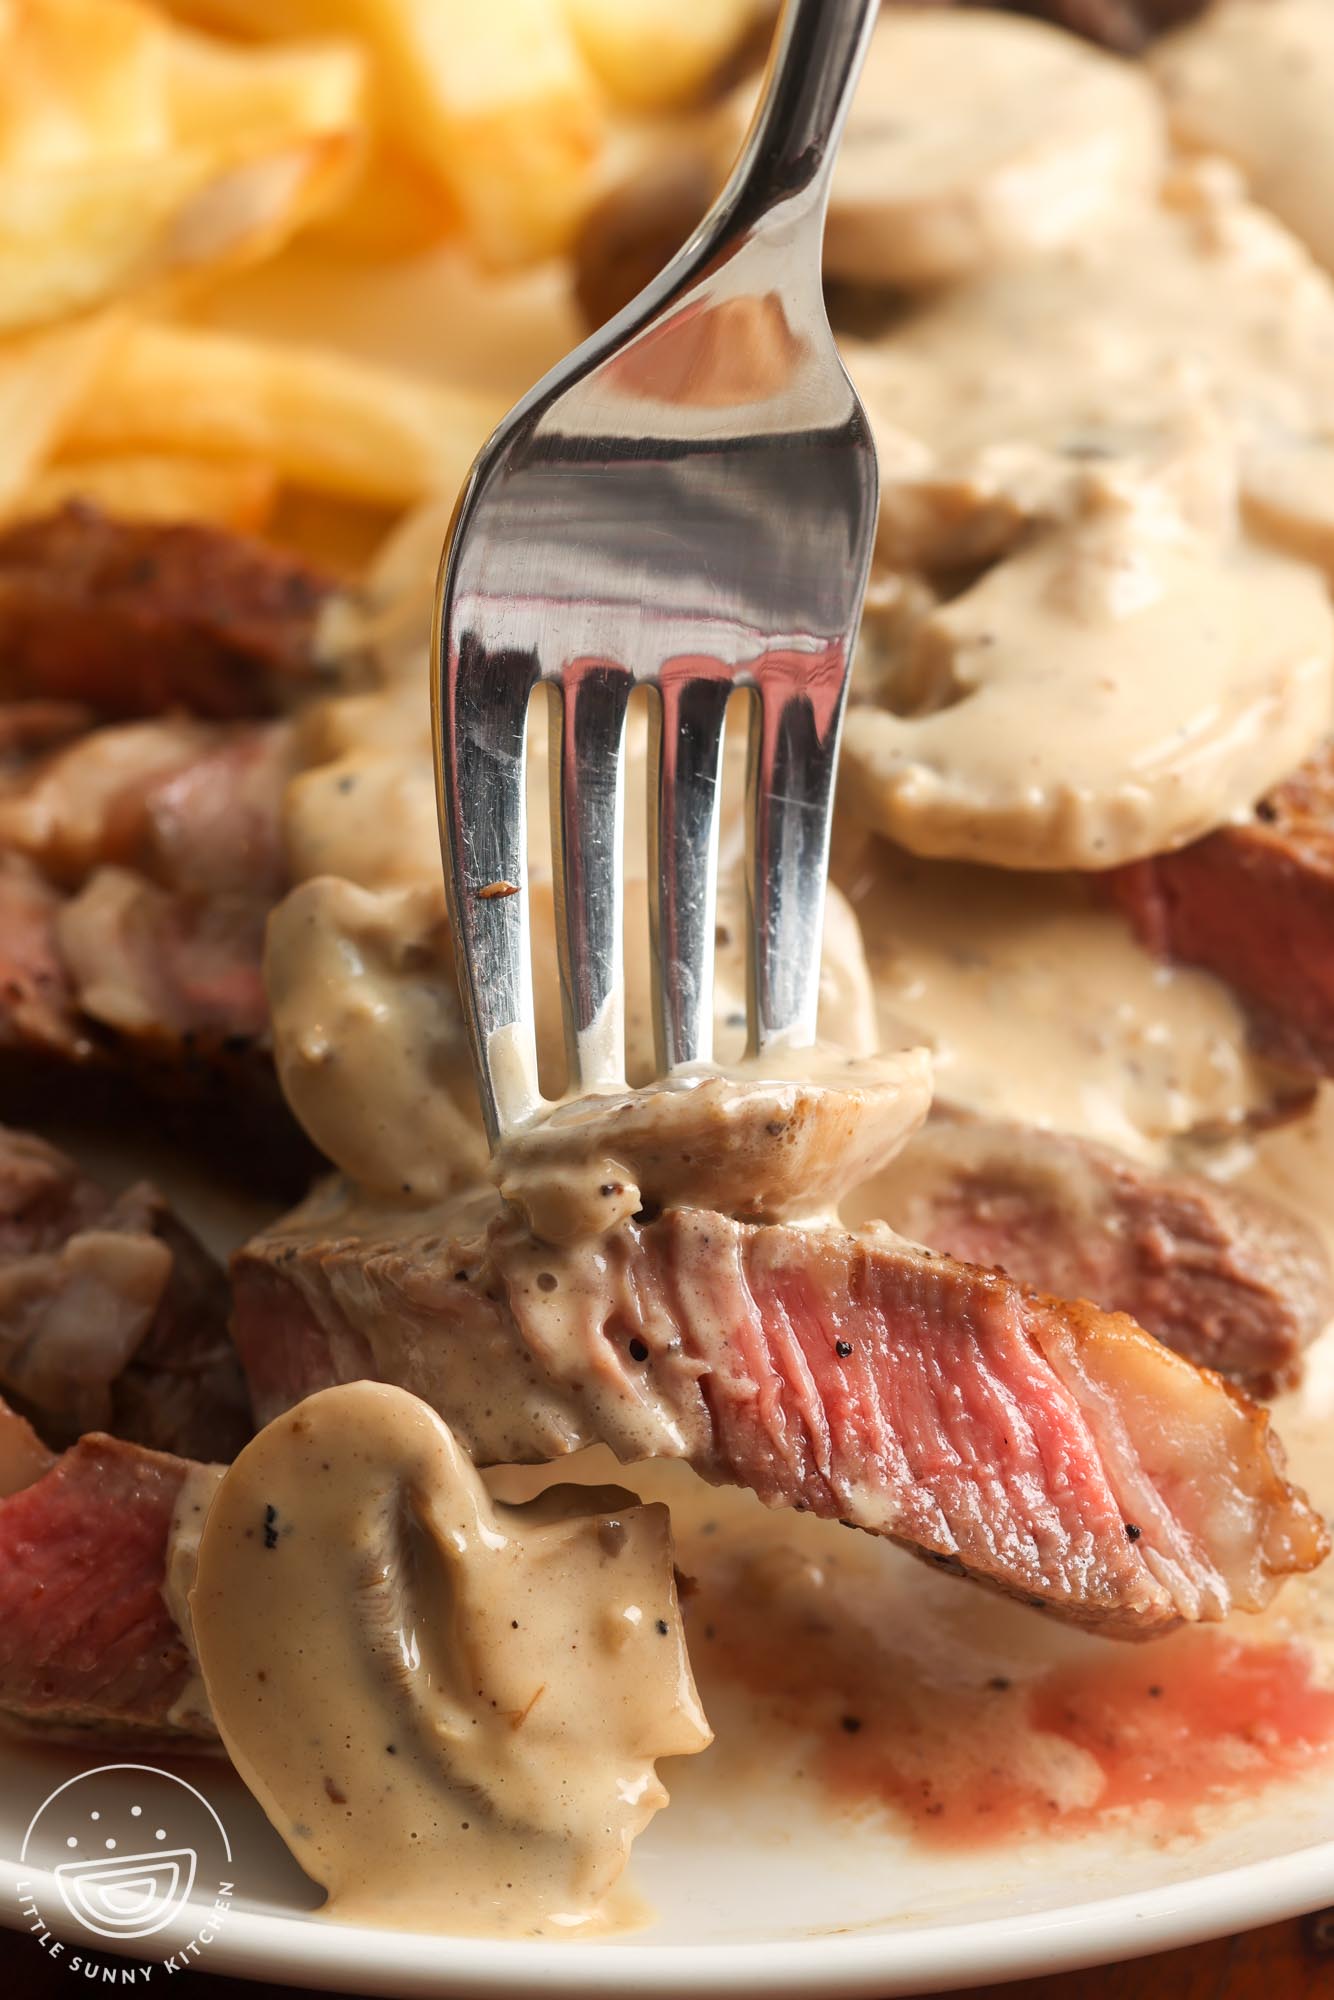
935, 1958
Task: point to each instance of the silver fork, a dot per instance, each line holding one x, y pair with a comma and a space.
688, 501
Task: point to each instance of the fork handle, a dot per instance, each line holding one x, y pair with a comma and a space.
814, 64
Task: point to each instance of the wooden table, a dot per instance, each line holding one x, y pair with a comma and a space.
1293, 1961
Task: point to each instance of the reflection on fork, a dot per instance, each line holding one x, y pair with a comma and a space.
687, 504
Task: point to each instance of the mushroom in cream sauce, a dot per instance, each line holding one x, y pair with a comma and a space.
1120, 685
781, 1137
368, 1035
1253, 79
975, 140
450, 1708
1113, 426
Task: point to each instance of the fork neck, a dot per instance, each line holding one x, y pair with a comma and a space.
813, 68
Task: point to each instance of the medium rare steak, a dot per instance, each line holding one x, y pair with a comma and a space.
1227, 1279
1051, 1450
87, 1642
1254, 903
112, 1315
138, 866
132, 618
196, 807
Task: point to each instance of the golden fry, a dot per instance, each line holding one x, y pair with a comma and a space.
320, 419
493, 97
131, 151
655, 54
227, 493
43, 376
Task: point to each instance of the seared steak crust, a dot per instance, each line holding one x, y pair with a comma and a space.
1254, 903
1231, 1281
133, 618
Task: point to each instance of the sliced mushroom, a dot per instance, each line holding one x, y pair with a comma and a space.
449, 1708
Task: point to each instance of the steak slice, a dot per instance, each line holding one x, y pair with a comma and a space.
1231, 1281
112, 1315
132, 618
38, 1010
1050, 1450
1254, 903
193, 806
138, 866
87, 1642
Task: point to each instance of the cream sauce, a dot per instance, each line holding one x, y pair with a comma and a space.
781, 1137
1254, 79
368, 1035
1038, 1005
1119, 686
1111, 425
450, 1708
975, 140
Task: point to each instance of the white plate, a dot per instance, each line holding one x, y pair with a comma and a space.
749, 1909
761, 1883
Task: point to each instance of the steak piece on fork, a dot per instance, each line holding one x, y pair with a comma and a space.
1048, 1449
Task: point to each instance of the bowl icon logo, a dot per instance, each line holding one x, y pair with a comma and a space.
130, 1897
124, 1848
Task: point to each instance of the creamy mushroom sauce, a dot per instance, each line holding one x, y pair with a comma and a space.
450, 1708
1252, 79
1085, 453
781, 1138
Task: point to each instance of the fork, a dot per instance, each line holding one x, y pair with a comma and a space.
687, 502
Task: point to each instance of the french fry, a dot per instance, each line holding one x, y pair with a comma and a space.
230, 99
228, 493
492, 96
394, 208
321, 420
43, 376
131, 152
80, 82
655, 54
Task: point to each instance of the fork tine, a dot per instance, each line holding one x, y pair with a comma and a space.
793, 754
686, 755
481, 726
587, 831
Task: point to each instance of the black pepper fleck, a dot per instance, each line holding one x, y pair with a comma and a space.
842, 1349
662, 1627
638, 1350
1132, 1532
270, 1527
